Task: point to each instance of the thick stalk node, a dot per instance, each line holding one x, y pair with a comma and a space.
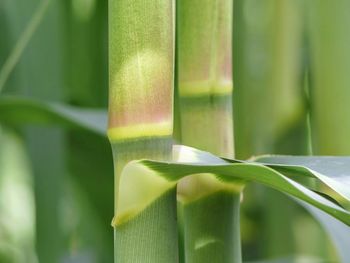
144, 232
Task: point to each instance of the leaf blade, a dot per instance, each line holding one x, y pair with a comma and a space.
21, 110
332, 171
197, 163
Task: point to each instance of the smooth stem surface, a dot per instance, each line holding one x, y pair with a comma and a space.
209, 209
268, 101
330, 79
207, 123
212, 229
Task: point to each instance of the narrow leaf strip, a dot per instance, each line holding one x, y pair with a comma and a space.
338, 231
23, 41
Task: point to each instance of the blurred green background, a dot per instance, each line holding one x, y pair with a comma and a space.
291, 93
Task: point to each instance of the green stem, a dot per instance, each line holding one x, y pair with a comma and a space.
48, 175
268, 101
330, 79
141, 51
150, 236
212, 229
210, 209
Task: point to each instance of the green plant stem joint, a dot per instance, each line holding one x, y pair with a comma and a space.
144, 231
149, 237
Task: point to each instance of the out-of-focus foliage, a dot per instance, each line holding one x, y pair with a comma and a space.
16, 200
284, 54
59, 54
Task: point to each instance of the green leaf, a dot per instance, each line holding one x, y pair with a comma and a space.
200, 162
332, 171
21, 110
337, 231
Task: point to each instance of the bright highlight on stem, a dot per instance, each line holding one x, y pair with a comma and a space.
141, 51
204, 74
141, 68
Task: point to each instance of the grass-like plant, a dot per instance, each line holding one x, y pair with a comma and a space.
146, 37
140, 126
141, 50
204, 92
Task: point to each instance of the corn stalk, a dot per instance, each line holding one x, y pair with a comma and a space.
210, 209
140, 124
